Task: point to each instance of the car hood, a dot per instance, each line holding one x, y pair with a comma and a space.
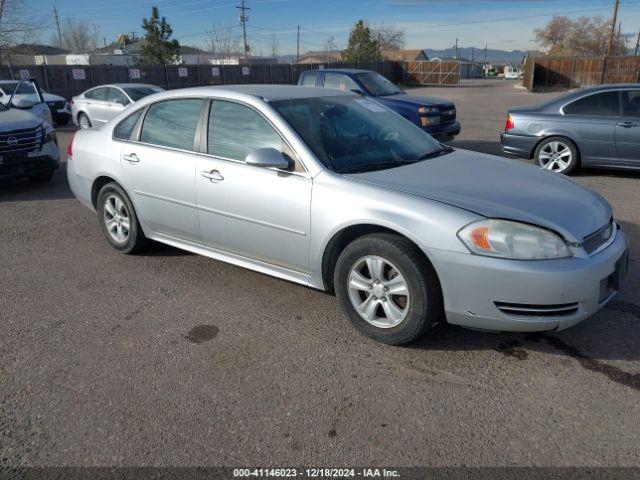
402, 98
50, 97
498, 188
15, 119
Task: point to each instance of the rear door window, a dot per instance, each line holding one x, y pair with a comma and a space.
114, 95
96, 94
309, 80
340, 82
171, 123
600, 104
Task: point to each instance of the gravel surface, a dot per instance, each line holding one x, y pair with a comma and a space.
169, 358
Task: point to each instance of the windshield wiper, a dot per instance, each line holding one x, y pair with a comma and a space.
436, 153
373, 166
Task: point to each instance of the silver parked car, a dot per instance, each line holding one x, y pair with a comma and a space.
337, 192
100, 104
593, 127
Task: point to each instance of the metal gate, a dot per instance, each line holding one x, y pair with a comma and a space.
432, 72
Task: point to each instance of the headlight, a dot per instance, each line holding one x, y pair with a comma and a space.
513, 240
428, 110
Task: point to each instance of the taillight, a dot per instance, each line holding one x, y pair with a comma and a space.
70, 147
510, 123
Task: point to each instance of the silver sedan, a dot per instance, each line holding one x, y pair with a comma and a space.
336, 192
100, 104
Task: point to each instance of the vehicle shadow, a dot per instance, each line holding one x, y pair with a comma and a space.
599, 172
157, 249
19, 190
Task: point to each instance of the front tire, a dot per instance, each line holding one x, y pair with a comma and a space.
386, 287
83, 121
118, 220
557, 154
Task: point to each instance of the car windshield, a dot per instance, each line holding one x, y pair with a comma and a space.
377, 85
349, 133
136, 93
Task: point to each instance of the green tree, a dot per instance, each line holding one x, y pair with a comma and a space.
157, 47
362, 47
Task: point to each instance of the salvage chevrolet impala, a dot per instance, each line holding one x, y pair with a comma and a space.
335, 191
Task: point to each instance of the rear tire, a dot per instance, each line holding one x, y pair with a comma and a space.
387, 288
43, 177
557, 154
118, 220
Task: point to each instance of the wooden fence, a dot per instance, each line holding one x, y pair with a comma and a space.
432, 72
70, 80
558, 73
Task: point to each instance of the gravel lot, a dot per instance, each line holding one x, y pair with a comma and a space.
170, 358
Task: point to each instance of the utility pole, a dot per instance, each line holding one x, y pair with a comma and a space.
243, 22
298, 45
485, 53
456, 57
638, 43
614, 21
55, 14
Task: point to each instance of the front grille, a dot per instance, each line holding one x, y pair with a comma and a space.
599, 238
56, 105
529, 310
21, 141
447, 113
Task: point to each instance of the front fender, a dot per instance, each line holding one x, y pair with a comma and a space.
339, 203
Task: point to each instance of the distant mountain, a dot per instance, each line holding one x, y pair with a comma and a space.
493, 56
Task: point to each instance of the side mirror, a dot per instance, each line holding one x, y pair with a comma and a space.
268, 158
357, 90
23, 103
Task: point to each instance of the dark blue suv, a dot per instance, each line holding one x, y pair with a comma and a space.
435, 116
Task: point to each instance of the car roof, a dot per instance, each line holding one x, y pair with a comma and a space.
345, 70
264, 92
127, 85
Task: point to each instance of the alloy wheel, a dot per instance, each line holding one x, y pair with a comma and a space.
378, 291
555, 156
116, 219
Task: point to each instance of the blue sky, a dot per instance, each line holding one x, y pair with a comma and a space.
502, 24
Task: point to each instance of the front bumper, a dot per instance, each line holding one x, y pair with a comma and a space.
61, 117
16, 165
474, 286
444, 131
519, 145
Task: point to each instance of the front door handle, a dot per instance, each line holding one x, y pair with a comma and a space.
213, 175
131, 158
627, 124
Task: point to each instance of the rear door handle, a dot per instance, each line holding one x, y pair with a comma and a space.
131, 158
213, 175
627, 124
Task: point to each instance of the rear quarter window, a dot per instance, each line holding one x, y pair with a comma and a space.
125, 128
